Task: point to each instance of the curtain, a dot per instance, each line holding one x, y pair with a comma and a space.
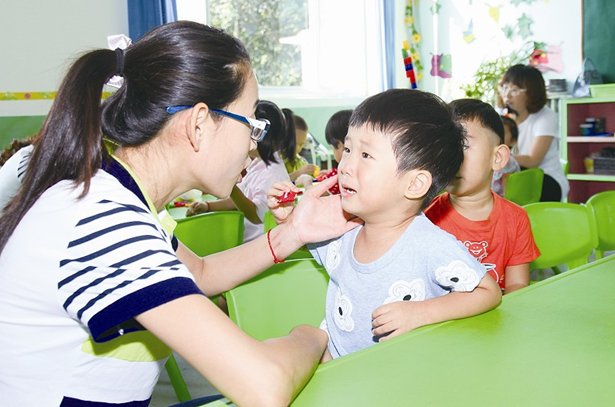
388, 48
143, 15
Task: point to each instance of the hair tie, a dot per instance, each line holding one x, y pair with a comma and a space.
119, 58
118, 43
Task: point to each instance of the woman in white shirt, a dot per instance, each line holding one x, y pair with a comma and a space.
522, 91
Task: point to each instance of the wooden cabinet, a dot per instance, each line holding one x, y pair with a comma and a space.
575, 148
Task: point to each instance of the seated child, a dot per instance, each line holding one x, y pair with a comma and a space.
500, 177
497, 232
298, 165
398, 271
250, 194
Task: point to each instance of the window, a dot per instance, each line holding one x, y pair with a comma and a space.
303, 48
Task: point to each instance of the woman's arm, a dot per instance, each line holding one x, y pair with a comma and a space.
245, 370
314, 219
537, 153
403, 316
517, 277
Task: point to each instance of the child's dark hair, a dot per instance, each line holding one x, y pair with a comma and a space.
300, 122
337, 127
422, 131
529, 78
181, 63
483, 113
512, 126
279, 137
291, 133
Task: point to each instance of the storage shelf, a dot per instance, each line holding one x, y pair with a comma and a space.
589, 139
591, 177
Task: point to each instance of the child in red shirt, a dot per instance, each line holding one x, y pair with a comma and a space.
497, 232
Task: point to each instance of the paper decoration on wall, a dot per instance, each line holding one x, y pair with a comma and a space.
468, 35
409, 68
414, 34
509, 32
435, 8
524, 24
442, 66
494, 12
547, 58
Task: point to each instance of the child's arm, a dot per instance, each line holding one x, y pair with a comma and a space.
517, 277
196, 208
306, 169
403, 316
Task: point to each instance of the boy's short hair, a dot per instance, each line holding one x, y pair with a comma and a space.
422, 132
529, 78
300, 123
512, 126
485, 114
337, 127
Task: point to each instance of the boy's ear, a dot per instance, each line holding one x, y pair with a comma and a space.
195, 124
500, 157
419, 184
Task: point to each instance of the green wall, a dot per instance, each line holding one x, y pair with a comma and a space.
17, 127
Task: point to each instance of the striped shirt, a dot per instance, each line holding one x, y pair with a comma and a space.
73, 276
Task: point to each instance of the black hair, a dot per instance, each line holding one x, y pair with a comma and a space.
279, 137
300, 123
529, 78
422, 131
337, 127
512, 126
291, 133
483, 113
180, 63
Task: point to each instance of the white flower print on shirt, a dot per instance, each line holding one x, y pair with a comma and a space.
457, 276
333, 256
342, 314
404, 291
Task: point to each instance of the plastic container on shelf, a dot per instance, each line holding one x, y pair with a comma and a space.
605, 90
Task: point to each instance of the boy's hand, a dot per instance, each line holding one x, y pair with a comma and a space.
196, 208
326, 356
397, 318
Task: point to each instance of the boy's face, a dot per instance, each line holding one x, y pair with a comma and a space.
479, 155
337, 151
369, 183
301, 136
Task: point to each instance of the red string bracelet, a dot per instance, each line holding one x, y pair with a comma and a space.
275, 259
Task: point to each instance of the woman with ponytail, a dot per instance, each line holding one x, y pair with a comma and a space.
94, 289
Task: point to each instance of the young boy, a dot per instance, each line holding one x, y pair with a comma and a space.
500, 177
336, 130
497, 232
398, 271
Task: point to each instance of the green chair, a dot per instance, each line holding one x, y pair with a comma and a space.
284, 296
565, 233
204, 234
524, 187
602, 206
211, 232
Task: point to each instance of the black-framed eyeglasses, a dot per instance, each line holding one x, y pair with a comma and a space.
258, 127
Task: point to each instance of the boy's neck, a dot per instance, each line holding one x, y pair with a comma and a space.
474, 207
375, 239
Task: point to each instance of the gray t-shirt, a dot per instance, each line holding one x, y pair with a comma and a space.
426, 262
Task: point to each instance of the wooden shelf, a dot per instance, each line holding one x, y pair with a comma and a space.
589, 139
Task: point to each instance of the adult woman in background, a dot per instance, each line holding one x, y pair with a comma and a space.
92, 286
522, 90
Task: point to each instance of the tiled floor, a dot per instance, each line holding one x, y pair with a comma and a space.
197, 385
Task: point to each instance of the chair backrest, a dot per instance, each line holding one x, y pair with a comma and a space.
565, 233
284, 296
211, 232
269, 221
602, 206
524, 187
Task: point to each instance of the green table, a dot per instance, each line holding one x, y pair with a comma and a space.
550, 344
